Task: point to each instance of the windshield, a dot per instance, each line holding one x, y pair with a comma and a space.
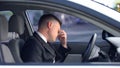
114, 4
96, 6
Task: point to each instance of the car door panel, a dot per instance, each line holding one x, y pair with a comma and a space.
79, 47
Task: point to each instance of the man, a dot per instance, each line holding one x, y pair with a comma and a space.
37, 48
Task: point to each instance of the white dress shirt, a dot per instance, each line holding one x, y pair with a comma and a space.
42, 36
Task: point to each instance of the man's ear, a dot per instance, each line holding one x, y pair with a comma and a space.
49, 25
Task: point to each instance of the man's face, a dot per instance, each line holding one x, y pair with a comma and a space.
55, 28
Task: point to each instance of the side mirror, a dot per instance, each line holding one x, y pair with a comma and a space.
105, 34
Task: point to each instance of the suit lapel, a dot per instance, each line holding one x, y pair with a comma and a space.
45, 45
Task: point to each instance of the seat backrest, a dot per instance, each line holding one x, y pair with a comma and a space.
16, 43
3, 28
16, 24
6, 55
15, 46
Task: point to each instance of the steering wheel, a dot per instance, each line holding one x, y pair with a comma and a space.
89, 48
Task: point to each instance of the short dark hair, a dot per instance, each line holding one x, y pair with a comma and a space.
47, 17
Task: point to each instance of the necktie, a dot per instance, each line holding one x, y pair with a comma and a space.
53, 51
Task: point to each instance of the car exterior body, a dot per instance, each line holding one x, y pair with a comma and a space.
93, 18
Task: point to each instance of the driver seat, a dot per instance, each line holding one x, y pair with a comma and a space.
16, 43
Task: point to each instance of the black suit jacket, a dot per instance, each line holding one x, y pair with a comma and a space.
36, 50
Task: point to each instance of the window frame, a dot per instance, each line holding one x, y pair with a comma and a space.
69, 40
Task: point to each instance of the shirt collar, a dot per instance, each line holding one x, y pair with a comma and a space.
42, 36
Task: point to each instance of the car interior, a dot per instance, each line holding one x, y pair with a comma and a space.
15, 31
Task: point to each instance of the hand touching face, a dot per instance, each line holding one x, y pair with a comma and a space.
62, 36
55, 31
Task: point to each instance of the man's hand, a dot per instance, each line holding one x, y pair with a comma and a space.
62, 36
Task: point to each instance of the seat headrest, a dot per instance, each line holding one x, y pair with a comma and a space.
3, 28
16, 24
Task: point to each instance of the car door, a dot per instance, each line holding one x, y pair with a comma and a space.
79, 21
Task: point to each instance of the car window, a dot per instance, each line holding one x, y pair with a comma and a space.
78, 30
33, 17
113, 4
7, 14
